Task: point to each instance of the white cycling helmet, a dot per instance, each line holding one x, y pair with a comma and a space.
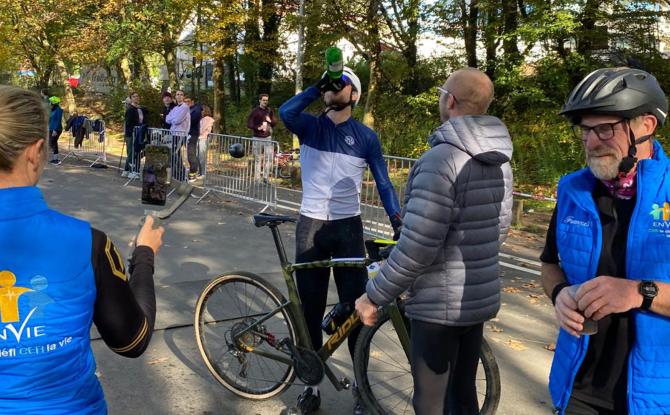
351, 78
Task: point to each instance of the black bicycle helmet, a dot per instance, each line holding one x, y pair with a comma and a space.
236, 150
623, 92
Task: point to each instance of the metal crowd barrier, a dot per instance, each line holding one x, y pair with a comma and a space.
91, 145
250, 177
176, 141
375, 220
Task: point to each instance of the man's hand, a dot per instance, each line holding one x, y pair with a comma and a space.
148, 236
366, 310
567, 313
54, 133
605, 295
396, 224
326, 84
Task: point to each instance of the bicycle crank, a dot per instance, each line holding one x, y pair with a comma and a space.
307, 363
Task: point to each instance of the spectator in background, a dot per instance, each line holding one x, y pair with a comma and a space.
168, 104
260, 121
179, 119
193, 137
206, 124
135, 116
55, 127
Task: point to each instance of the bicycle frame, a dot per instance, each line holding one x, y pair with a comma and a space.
295, 307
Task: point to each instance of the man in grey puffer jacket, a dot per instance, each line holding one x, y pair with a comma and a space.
457, 213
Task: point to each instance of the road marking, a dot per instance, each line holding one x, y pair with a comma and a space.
521, 259
512, 266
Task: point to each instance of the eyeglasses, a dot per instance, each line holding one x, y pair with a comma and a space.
446, 92
603, 131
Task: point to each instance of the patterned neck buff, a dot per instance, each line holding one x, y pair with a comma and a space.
623, 188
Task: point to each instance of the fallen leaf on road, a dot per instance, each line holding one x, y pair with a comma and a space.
534, 295
157, 361
551, 347
516, 345
531, 285
495, 328
513, 290
533, 300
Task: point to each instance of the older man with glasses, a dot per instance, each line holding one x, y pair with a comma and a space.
605, 264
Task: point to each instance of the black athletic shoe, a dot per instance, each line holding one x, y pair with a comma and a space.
359, 407
308, 402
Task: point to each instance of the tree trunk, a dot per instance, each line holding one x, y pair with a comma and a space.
69, 105
43, 78
374, 62
219, 96
490, 40
127, 73
411, 52
120, 73
588, 21
171, 64
270, 45
469, 22
510, 39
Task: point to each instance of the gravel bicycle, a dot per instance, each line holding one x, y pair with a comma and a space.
255, 342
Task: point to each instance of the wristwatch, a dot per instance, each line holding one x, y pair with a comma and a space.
649, 291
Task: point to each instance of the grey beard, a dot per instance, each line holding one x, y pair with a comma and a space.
604, 169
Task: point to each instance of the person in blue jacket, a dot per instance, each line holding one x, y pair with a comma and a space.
58, 276
605, 264
335, 151
55, 127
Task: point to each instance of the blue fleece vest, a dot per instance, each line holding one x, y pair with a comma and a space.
578, 235
47, 293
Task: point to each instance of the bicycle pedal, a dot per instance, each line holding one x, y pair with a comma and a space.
292, 411
345, 383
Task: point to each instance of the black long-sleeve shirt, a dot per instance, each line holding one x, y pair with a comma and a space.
125, 311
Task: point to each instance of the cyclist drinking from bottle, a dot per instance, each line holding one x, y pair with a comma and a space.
335, 151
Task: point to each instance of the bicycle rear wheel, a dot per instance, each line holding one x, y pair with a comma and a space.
384, 375
230, 304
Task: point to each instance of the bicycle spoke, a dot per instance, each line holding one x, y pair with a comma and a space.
389, 379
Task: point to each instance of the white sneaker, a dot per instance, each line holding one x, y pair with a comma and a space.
133, 175
125, 173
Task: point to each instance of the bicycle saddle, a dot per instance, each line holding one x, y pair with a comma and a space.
268, 219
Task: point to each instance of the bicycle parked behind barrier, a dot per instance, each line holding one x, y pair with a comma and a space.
286, 163
255, 342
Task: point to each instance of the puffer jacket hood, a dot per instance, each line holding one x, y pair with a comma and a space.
484, 137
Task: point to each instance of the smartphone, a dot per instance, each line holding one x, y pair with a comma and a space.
156, 175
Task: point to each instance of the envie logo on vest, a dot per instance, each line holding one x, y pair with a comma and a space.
657, 211
9, 307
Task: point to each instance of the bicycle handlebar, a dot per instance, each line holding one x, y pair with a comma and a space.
183, 191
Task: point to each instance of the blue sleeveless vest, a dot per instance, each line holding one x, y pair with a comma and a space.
578, 235
47, 293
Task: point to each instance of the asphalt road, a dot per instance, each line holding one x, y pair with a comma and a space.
215, 236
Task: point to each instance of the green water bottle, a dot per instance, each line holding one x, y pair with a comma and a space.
334, 63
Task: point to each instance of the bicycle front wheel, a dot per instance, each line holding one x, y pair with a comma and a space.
243, 363
384, 375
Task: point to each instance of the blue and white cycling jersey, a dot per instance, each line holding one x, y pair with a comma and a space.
333, 159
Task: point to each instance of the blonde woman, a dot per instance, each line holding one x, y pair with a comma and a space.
58, 275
